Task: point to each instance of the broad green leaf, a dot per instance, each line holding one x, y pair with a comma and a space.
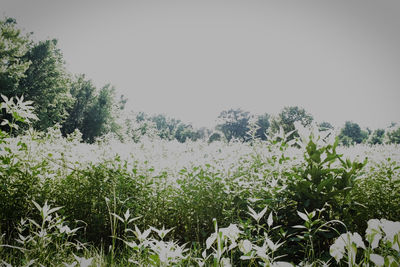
302, 215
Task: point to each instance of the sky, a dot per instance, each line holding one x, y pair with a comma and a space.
191, 59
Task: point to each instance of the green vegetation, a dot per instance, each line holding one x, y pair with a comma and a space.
83, 182
273, 202
287, 118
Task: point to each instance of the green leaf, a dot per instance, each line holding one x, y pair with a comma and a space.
302, 215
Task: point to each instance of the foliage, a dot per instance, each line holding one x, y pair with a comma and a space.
99, 118
377, 137
37, 71
215, 136
233, 123
138, 125
202, 195
325, 126
19, 180
383, 238
170, 128
46, 240
394, 136
321, 180
46, 83
86, 192
275, 204
377, 193
287, 118
263, 122
351, 133
322, 183
13, 47
84, 95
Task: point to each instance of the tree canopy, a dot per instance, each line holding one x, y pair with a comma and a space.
287, 118
351, 133
37, 72
13, 47
263, 123
47, 84
234, 123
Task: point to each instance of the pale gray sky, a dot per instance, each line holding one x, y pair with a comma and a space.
339, 59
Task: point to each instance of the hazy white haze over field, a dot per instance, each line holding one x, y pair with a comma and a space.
338, 59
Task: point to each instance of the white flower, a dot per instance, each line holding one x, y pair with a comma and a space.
391, 230
210, 240
347, 242
378, 260
245, 246
373, 232
373, 226
357, 239
83, 262
281, 264
261, 251
225, 262
232, 232
337, 249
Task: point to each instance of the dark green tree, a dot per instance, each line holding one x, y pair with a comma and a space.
287, 117
184, 132
263, 122
216, 136
13, 64
325, 126
394, 136
84, 96
165, 126
47, 83
234, 123
377, 137
99, 118
170, 129
351, 133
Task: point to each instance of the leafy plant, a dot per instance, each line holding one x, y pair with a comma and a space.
378, 193
20, 111
44, 241
383, 238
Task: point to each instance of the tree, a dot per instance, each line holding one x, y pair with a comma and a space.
377, 137
165, 126
35, 71
287, 117
13, 47
325, 126
184, 132
351, 133
234, 123
216, 136
84, 96
135, 125
263, 123
394, 136
170, 128
99, 118
46, 83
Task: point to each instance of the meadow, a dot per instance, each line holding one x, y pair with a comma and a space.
304, 202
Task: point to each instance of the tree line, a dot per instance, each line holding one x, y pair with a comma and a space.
37, 71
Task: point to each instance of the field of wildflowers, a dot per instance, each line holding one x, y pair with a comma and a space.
307, 202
